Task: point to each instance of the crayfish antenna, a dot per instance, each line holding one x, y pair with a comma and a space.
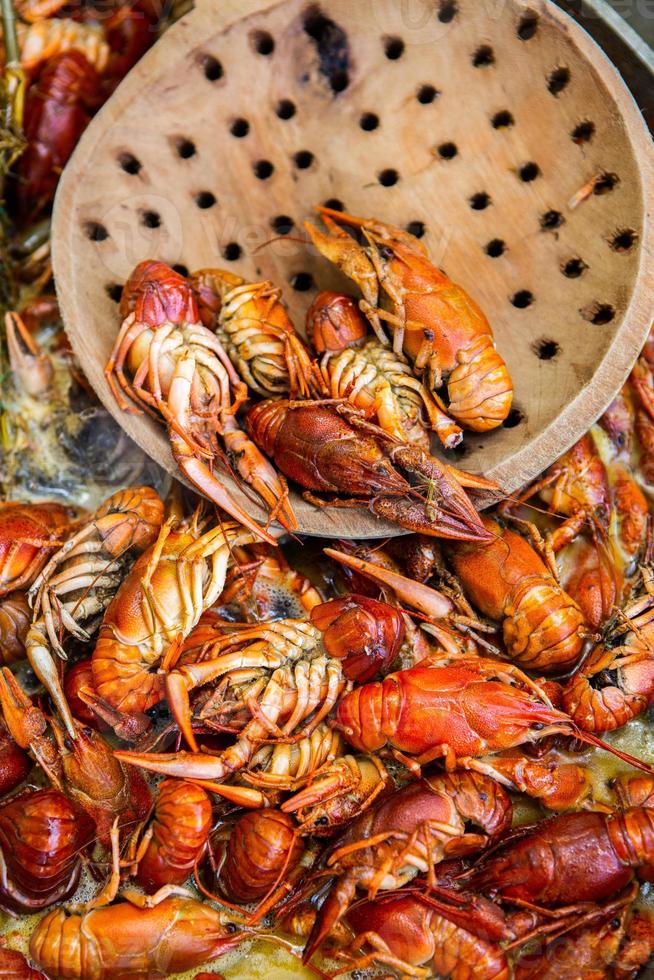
625, 756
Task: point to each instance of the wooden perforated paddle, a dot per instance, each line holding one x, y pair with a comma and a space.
499, 130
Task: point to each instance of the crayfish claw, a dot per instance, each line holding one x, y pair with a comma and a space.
127, 725
429, 601
177, 694
351, 258
31, 367
43, 664
185, 765
28, 725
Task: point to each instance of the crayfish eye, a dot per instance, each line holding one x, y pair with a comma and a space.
385, 252
231, 927
538, 726
321, 821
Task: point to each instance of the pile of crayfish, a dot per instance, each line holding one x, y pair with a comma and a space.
425, 756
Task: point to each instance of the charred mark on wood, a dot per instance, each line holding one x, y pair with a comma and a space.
332, 46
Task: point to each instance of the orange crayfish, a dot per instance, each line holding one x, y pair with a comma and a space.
331, 448
457, 712
84, 767
407, 833
257, 859
275, 679
364, 633
507, 579
570, 858
372, 376
81, 578
124, 942
417, 936
437, 324
159, 602
175, 839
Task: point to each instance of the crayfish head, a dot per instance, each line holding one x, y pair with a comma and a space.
157, 294
334, 322
397, 256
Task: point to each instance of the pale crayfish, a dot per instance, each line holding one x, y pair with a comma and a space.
181, 373
276, 681
252, 324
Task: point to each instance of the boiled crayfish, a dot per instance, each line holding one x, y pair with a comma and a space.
409, 833
81, 578
158, 603
330, 448
181, 373
251, 322
435, 322
373, 377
